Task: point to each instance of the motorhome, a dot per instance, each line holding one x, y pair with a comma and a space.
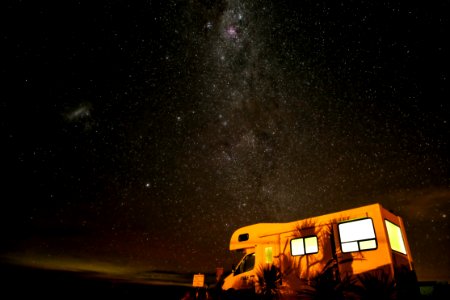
344, 246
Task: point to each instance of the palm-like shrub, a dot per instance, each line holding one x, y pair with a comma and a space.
326, 285
373, 285
269, 280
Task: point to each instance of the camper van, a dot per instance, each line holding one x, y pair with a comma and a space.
342, 249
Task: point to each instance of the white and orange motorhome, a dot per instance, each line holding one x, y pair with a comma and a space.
345, 244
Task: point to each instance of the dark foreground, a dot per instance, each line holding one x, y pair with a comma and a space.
26, 283
19, 282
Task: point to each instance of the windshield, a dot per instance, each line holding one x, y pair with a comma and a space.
246, 264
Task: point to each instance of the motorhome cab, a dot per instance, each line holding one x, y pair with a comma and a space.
345, 244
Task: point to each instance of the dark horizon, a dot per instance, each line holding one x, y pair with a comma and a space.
25, 281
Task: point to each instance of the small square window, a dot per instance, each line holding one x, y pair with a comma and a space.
297, 247
243, 237
311, 245
302, 246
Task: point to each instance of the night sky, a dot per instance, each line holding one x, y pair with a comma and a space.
138, 135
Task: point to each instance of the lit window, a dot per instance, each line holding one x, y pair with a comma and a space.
297, 247
366, 245
311, 245
302, 246
395, 237
268, 255
357, 235
350, 247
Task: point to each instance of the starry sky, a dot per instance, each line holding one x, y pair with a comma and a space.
139, 136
